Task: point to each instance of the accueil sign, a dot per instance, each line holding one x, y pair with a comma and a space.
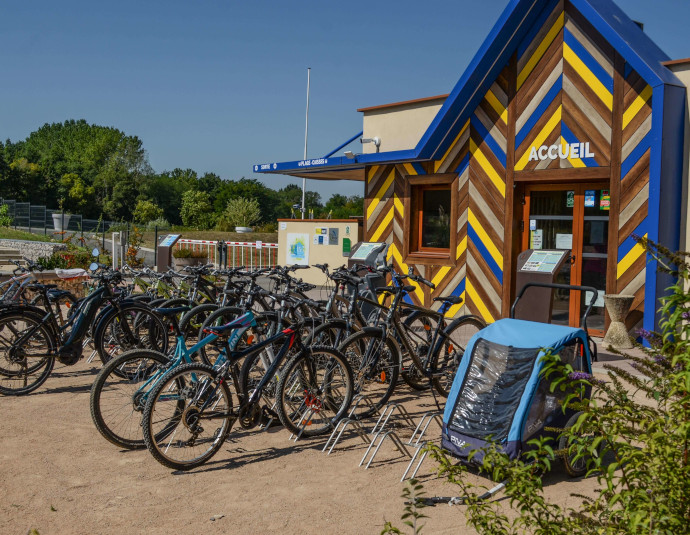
562, 151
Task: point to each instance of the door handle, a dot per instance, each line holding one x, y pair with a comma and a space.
572, 259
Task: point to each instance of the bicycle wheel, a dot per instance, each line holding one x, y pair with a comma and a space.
419, 328
314, 391
330, 334
119, 393
24, 366
450, 350
375, 362
209, 353
253, 370
188, 416
191, 322
144, 329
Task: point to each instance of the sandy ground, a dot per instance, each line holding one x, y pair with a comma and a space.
58, 475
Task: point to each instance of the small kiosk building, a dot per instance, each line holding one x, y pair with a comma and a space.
566, 131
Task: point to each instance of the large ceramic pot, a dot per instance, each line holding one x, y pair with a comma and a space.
618, 307
61, 221
243, 230
184, 262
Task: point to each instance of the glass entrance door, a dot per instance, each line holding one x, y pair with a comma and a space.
574, 218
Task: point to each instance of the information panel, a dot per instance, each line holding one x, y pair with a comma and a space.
543, 261
364, 250
169, 240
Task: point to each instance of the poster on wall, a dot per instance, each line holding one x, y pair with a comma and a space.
537, 239
297, 251
590, 198
605, 201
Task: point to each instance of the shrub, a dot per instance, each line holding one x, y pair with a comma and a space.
182, 253
146, 211
633, 432
5, 219
241, 212
196, 210
161, 223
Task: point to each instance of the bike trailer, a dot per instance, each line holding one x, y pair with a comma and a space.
499, 395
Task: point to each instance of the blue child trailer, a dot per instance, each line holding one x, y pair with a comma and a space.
499, 394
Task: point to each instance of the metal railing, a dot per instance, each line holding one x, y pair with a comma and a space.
254, 255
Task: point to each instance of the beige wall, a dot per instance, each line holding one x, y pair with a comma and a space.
399, 127
318, 254
682, 71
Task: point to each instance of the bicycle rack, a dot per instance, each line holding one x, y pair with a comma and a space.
305, 421
400, 446
387, 413
423, 425
419, 432
342, 424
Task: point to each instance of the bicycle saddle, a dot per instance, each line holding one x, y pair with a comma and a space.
452, 299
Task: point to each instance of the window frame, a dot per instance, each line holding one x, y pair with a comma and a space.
414, 187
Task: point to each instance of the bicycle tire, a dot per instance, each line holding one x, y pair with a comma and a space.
450, 350
575, 465
314, 391
331, 333
171, 434
209, 353
148, 328
253, 370
420, 328
116, 401
16, 377
191, 322
375, 362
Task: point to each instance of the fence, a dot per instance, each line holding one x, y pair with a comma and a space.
249, 254
37, 218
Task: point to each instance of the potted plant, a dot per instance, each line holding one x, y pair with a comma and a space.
187, 257
242, 213
61, 218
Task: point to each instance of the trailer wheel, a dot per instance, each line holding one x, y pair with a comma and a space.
574, 467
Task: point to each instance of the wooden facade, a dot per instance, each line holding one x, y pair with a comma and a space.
565, 84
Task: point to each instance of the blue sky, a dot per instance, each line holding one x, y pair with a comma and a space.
220, 85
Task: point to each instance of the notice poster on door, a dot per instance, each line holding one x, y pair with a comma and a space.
537, 239
605, 200
564, 241
570, 200
590, 198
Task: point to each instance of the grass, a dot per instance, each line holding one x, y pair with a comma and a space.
212, 235
11, 234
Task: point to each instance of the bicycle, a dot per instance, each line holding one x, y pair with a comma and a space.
31, 338
435, 350
191, 411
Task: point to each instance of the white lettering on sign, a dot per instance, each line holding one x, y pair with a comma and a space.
562, 151
307, 163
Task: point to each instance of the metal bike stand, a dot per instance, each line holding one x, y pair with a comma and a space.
388, 434
419, 432
86, 342
305, 420
387, 413
418, 448
423, 425
359, 398
340, 428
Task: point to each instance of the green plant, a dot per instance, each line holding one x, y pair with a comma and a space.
267, 227
633, 432
5, 219
146, 211
182, 253
413, 492
136, 238
161, 223
196, 210
241, 212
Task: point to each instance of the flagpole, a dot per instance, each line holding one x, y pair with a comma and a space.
306, 134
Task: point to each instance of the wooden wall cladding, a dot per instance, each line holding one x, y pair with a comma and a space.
636, 146
564, 93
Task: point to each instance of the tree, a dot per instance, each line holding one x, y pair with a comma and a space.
196, 209
146, 211
240, 212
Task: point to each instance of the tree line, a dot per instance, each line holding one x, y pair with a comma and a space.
100, 171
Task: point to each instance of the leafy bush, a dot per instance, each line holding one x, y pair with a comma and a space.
633, 433
182, 253
161, 223
196, 210
267, 227
239, 212
5, 219
146, 211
